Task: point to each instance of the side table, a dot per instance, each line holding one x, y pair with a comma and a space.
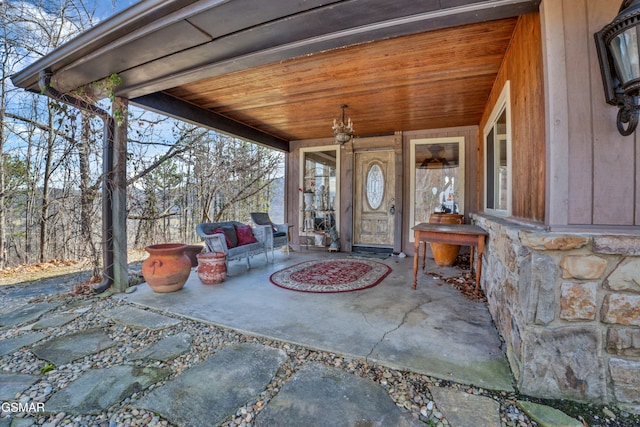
455, 234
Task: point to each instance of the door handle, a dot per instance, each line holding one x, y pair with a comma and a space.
392, 209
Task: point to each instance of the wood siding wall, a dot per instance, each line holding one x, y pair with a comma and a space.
522, 66
594, 171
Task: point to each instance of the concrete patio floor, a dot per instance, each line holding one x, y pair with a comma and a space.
433, 330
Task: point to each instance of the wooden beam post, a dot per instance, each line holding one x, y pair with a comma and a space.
119, 196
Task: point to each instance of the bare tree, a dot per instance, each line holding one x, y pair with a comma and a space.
3, 90
204, 176
87, 193
50, 166
231, 174
30, 30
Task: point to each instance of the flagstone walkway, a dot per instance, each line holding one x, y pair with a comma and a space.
205, 394
104, 362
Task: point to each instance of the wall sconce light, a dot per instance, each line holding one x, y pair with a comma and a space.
618, 51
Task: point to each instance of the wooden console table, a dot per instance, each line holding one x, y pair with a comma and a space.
455, 234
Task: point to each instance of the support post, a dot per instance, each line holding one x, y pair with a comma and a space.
119, 196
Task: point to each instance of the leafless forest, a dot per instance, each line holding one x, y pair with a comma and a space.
51, 172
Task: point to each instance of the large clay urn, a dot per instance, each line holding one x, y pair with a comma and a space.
212, 267
444, 253
167, 268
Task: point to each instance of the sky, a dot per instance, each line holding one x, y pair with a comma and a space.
106, 8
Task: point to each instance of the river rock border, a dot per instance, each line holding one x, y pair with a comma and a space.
568, 307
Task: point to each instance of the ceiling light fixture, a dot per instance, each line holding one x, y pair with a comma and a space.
343, 131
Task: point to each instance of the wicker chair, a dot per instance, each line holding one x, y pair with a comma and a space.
218, 242
280, 235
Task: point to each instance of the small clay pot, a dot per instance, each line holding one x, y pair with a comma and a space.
167, 268
212, 267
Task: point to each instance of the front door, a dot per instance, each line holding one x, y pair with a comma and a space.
374, 198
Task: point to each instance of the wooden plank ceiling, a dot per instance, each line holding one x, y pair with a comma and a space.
429, 80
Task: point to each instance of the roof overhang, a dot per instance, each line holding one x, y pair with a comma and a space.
163, 49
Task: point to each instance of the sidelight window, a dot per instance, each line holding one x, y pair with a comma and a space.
319, 189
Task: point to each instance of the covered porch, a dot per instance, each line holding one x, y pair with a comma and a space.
412, 77
511, 83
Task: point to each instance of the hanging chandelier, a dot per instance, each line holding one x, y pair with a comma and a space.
343, 131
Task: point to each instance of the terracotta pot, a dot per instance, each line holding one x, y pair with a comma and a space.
167, 268
192, 251
444, 253
212, 267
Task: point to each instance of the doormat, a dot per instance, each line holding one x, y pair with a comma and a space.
328, 276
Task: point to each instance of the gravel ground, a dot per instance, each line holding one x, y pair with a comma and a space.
408, 390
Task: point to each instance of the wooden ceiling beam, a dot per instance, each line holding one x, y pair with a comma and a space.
170, 106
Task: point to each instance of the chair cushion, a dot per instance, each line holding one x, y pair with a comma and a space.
230, 232
226, 238
230, 235
245, 235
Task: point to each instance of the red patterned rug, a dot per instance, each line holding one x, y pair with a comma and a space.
335, 275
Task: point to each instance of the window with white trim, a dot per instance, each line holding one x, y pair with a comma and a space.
497, 149
437, 180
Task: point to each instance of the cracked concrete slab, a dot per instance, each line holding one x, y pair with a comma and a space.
166, 349
314, 320
12, 384
67, 348
208, 393
138, 318
460, 343
466, 410
11, 345
26, 313
432, 330
322, 396
395, 328
98, 389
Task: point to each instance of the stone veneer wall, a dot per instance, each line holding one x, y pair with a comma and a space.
568, 308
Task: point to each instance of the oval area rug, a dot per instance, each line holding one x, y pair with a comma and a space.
335, 275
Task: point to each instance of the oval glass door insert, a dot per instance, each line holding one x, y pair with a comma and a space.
375, 186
